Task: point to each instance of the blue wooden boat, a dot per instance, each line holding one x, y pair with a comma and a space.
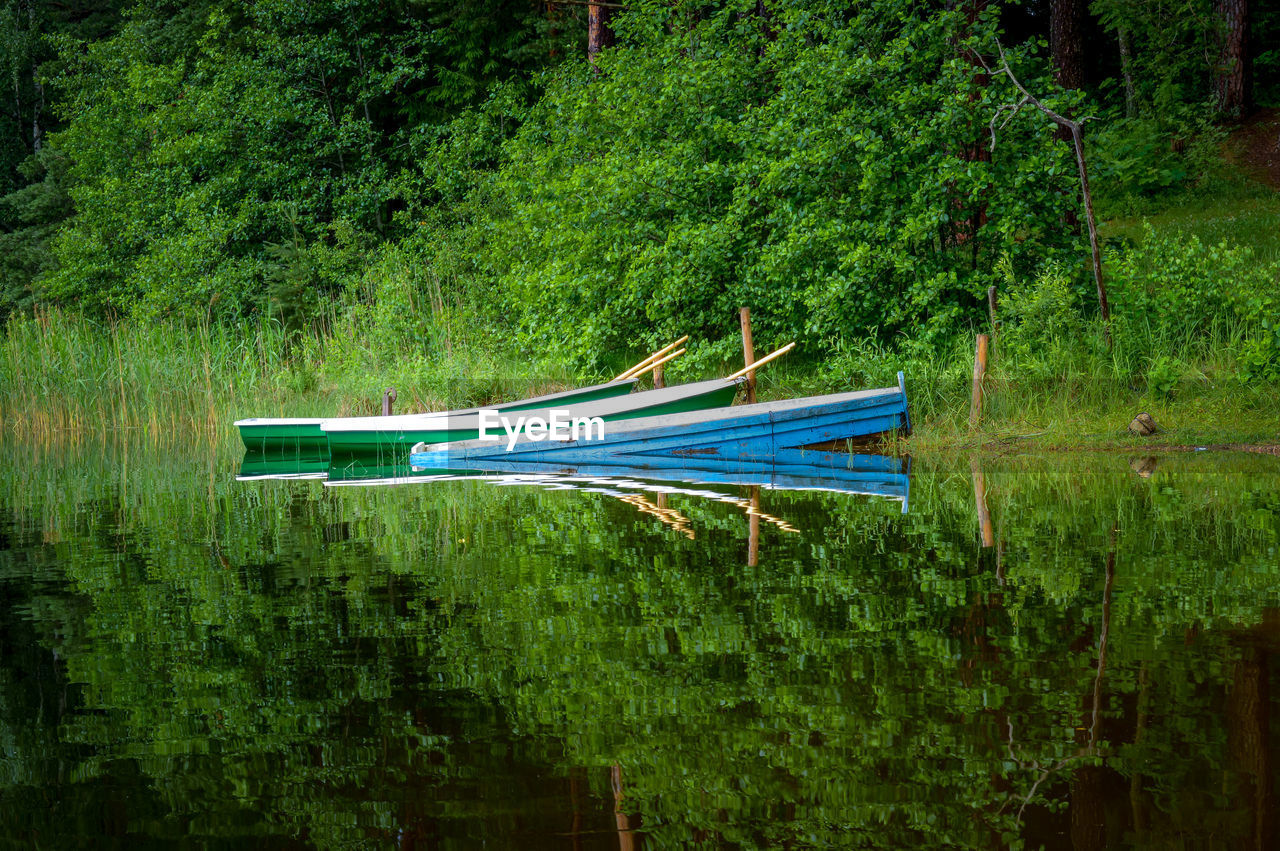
791, 470
747, 432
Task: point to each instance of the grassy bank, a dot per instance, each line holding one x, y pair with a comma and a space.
64, 377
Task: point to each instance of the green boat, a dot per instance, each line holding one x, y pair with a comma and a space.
282, 465
303, 435
392, 438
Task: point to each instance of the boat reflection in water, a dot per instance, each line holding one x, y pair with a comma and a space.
283, 465
789, 470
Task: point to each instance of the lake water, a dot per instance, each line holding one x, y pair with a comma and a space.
604, 662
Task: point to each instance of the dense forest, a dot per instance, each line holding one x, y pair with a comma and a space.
601, 175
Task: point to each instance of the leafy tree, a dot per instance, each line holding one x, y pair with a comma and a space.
32, 198
816, 169
31, 214
203, 133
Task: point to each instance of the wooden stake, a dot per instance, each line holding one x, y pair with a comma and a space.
979, 372
985, 529
753, 527
658, 382
626, 836
388, 399
748, 352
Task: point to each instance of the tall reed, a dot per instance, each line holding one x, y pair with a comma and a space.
64, 376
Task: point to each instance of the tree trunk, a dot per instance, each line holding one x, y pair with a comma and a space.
1126, 71
1232, 89
1248, 712
1066, 47
37, 101
599, 33
37, 89
766, 20
1087, 810
966, 223
1094, 250
553, 29
1066, 42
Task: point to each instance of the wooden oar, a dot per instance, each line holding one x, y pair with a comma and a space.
647, 363
661, 361
764, 360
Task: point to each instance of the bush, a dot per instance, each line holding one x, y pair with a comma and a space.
832, 176
1171, 291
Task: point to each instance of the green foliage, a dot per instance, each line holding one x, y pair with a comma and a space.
1164, 375
221, 152
1260, 355
33, 200
1045, 332
1180, 289
1050, 305
1135, 158
1170, 53
1265, 38
21, 50
422, 194
826, 173
1184, 284
826, 164
32, 214
1179, 306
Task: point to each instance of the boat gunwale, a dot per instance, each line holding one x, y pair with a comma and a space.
611, 406
692, 425
267, 422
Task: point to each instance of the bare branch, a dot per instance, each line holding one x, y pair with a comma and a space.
1075, 128
1013, 110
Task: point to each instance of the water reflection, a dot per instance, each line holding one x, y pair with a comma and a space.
645, 486
793, 470
186, 657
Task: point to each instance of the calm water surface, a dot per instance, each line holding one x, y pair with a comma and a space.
192, 660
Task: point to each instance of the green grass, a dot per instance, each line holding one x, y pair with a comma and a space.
1073, 395
64, 376
1228, 204
1252, 219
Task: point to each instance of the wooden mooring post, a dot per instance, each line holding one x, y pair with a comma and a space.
388, 399
979, 373
986, 532
748, 352
753, 528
